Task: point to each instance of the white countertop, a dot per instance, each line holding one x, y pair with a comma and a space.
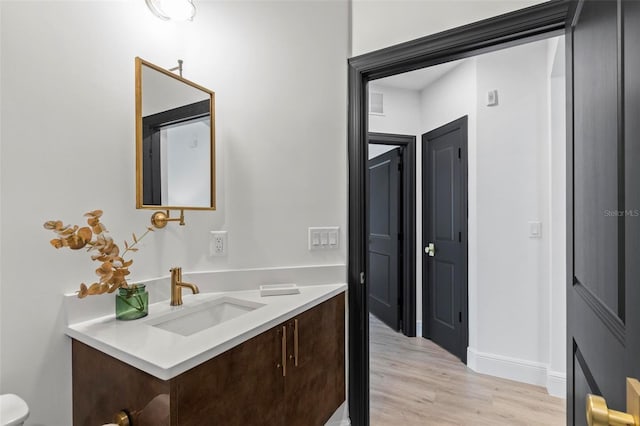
165, 354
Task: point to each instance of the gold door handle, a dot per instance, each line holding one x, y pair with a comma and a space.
599, 415
430, 249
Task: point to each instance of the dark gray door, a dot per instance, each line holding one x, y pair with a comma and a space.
603, 289
384, 237
444, 236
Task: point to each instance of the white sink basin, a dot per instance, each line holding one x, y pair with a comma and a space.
192, 319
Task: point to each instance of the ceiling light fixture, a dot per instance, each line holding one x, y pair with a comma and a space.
175, 10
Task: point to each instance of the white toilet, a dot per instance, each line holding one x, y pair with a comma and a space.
13, 410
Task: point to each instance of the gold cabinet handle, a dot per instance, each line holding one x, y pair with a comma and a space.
284, 351
599, 415
294, 357
295, 342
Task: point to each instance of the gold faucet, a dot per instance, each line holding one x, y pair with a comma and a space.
176, 286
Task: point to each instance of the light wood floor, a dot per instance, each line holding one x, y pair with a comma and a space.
415, 382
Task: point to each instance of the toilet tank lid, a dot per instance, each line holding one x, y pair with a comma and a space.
13, 409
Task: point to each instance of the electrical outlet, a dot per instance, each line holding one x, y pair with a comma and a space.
218, 243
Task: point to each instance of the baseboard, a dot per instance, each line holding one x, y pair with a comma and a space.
419, 328
557, 384
519, 370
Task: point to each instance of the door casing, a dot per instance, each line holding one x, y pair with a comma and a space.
534, 23
408, 286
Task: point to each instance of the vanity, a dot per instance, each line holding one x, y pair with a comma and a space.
281, 361
225, 355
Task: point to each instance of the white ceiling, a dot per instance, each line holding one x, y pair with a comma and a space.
418, 79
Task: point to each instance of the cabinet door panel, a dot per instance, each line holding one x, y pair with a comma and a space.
103, 385
316, 387
240, 387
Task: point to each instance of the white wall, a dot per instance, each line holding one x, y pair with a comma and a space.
67, 112
558, 213
381, 23
512, 292
401, 110
1, 205
516, 175
375, 150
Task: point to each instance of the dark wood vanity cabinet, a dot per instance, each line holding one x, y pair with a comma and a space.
239, 387
246, 385
315, 388
103, 385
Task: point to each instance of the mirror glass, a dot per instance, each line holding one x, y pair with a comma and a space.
175, 145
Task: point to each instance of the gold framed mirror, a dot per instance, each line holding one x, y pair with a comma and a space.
175, 141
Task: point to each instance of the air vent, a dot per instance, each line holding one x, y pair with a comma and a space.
376, 103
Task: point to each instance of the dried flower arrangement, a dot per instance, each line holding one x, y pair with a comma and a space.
114, 267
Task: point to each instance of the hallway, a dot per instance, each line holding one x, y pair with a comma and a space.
415, 382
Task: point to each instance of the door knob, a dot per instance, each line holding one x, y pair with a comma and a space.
430, 249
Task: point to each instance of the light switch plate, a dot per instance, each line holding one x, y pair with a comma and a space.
535, 229
323, 238
333, 238
492, 98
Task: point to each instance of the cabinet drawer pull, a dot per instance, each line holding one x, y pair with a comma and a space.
284, 351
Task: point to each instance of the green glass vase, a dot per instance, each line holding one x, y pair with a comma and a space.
132, 303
